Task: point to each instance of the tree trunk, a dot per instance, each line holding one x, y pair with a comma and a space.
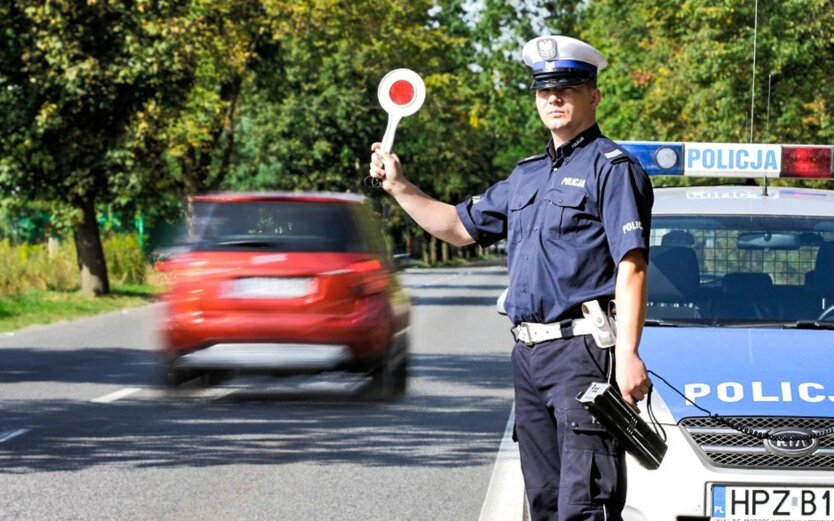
90, 254
432, 250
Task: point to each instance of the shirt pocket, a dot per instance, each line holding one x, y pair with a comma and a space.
565, 212
521, 214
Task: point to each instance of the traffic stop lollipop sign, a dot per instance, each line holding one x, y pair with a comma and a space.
401, 93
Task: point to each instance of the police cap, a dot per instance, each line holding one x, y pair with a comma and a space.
561, 61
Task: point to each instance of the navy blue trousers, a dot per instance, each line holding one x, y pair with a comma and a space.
574, 469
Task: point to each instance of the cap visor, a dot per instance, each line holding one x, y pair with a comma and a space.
551, 83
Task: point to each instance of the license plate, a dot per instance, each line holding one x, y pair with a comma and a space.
269, 287
765, 503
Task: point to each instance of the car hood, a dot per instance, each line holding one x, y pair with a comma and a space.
742, 371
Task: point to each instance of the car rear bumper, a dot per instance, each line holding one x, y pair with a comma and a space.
367, 331
267, 357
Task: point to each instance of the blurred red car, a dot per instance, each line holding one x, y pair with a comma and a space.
284, 283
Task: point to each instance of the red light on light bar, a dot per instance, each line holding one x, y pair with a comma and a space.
807, 161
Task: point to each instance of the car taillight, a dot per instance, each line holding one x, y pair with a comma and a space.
367, 278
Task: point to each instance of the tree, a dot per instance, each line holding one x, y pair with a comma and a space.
191, 140
684, 71
74, 77
310, 115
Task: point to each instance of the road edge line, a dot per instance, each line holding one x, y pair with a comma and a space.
505, 496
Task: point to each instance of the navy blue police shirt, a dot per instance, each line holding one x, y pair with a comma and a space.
569, 216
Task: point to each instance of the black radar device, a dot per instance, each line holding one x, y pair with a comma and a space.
624, 422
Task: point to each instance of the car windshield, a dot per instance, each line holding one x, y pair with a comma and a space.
285, 226
741, 270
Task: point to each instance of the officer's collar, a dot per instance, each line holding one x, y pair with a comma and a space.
557, 155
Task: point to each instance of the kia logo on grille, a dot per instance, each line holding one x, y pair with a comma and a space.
787, 444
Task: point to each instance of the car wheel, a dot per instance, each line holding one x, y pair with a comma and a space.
210, 378
173, 377
390, 381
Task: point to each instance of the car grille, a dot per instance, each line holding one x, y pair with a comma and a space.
726, 447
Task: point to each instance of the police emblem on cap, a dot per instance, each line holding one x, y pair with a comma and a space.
561, 61
547, 49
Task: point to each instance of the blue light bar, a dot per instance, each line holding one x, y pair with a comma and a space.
741, 160
657, 157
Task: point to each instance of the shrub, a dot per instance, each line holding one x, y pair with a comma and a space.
125, 263
30, 266
33, 266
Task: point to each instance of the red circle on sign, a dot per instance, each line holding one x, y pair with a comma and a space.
401, 92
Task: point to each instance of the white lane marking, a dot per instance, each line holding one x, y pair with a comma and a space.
505, 495
212, 393
7, 435
216, 393
436, 280
117, 395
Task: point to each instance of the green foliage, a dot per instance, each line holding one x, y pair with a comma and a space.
308, 122
125, 261
683, 71
74, 80
32, 267
53, 266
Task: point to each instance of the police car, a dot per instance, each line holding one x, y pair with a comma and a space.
740, 337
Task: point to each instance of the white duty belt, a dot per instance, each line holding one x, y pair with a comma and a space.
533, 333
596, 323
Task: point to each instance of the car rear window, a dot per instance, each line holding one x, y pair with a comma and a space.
285, 226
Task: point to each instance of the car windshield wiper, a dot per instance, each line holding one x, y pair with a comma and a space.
799, 324
657, 322
811, 324
249, 243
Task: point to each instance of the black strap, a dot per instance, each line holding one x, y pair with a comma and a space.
566, 328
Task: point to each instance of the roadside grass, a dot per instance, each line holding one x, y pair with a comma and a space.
43, 307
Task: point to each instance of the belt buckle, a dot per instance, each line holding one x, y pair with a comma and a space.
529, 342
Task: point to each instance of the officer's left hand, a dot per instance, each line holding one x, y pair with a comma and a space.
632, 378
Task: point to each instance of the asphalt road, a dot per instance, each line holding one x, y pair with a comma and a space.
87, 433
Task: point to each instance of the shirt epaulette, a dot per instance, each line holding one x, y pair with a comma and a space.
613, 153
531, 158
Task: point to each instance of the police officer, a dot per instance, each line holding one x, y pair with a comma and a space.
576, 219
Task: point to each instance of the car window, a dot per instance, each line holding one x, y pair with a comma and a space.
286, 226
740, 269
371, 229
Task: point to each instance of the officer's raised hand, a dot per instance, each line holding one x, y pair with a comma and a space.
438, 218
386, 168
